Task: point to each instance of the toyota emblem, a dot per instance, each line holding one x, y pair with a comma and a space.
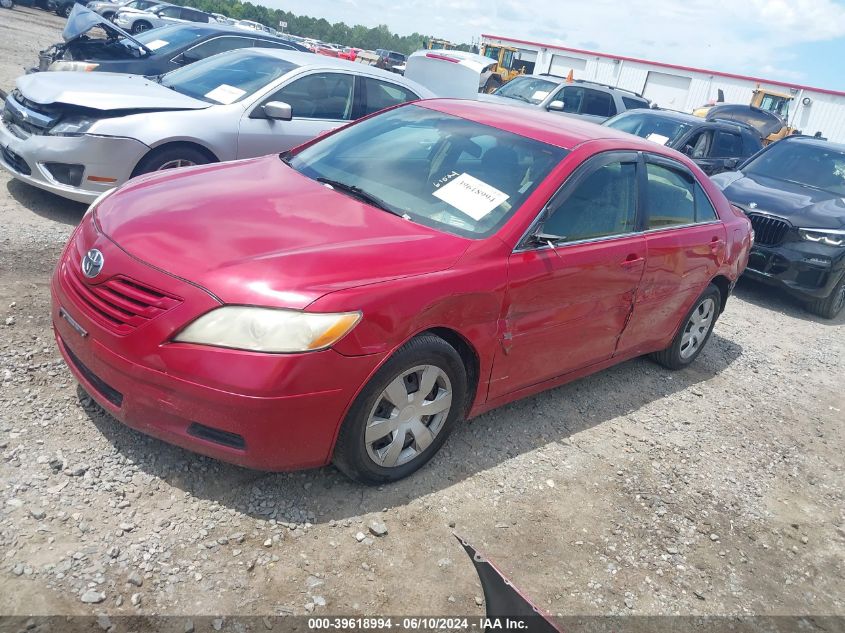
92, 263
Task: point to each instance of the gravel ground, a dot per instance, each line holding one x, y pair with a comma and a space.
714, 490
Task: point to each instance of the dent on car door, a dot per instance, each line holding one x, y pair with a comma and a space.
319, 102
568, 302
686, 245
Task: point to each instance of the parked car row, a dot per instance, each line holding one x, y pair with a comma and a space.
382, 279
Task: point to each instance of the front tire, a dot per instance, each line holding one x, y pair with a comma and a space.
171, 158
832, 305
404, 413
694, 332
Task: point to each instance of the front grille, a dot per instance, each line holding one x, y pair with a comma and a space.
108, 392
16, 162
768, 231
120, 305
24, 117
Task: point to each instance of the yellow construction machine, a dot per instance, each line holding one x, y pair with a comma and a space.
507, 65
768, 111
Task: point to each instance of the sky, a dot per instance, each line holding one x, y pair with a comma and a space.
800, 41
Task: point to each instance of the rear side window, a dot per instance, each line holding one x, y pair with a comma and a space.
726, 145
603, 204
379, 95
598, 103
632, 104
674, 198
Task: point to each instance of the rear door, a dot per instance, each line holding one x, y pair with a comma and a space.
569, 297
321, 101
372, 95
685, 242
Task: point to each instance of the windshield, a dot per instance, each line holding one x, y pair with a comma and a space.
528, 89
805, 164
165, 39
663, 130
228, 77
442, 171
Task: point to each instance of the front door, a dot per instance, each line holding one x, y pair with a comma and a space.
320, 101
571, 287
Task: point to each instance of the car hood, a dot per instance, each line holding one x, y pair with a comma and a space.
801, 205
103, 91
257, 232
82, 19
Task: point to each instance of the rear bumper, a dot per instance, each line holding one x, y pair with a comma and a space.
807, 271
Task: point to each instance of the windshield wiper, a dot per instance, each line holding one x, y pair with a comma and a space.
359, 193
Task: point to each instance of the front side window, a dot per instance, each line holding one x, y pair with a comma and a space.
698, 145
442, 171
227, 78
572, 97
169, 12
319, 96
726, 145
379, 95
218, 45
604, 204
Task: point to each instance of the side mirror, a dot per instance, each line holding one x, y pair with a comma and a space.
278, 110
731, 164
556, 106
687, 150
188, 57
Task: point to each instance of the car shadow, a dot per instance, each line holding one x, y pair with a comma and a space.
775, 299
324, 494
46, 204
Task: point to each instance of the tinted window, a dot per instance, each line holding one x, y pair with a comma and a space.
442, 171
603, 204
272, 44
598, 103
319, 96
194, 16
670, 197
704, 211
633, 104
170, 12
811, 164
572, 97
726, 145
698, 145
379, 95
218, 45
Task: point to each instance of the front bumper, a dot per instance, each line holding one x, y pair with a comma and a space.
806, 270
108, 160
265, 411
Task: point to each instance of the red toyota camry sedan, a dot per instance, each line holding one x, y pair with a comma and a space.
353, 300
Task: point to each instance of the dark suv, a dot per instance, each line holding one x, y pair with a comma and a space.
714, 145
794, 194
388, 59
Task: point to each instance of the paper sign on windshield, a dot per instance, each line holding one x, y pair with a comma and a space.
657, 138
225, 94
539, 95
156, 44
471, 196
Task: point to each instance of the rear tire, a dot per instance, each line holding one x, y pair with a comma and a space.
694, 332
832, 305
400, 436
171, 157
140, 26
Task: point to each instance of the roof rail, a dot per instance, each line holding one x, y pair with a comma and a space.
595, 83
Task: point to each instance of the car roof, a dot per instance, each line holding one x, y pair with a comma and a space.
812, 141
308, 59
561, 131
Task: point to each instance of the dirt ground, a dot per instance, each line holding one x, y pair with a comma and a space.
714, 490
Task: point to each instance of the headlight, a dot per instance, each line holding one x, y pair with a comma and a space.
268, 329
75, 66
72, 126
830, 237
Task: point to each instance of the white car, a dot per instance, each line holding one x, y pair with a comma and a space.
137, 21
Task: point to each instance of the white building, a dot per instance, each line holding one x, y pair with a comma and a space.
680, 87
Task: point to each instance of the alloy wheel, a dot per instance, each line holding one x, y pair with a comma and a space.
697, 327
408, 415
179, 162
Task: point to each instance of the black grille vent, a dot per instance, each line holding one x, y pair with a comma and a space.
768, 231
15, 162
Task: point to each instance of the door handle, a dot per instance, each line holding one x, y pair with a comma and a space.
716, 243
632, 260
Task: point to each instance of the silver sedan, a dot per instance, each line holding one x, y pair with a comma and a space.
79, 134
